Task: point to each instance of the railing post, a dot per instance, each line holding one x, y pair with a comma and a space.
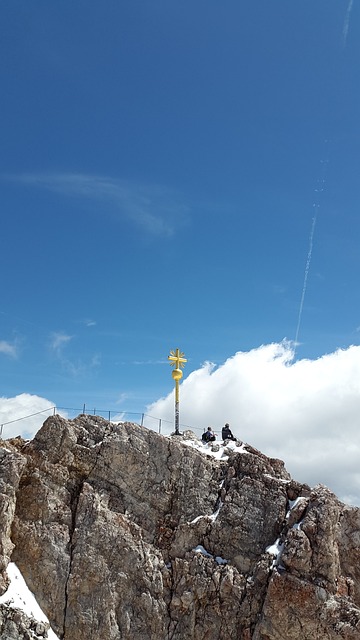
84, 409
142, 419
159, 425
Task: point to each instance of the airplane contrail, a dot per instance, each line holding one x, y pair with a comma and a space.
320, 188
307, 268
347, 22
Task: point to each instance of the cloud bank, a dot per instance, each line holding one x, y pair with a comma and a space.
23, 415
304, 412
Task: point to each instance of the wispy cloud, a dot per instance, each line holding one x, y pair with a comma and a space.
90, 323
9, 349
157, 210
58, 340
95, 360
74, 367
152, 362
122, 397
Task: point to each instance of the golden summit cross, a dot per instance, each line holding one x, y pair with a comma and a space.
177, 361
177, 358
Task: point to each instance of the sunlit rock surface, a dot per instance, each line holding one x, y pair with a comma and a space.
122, 533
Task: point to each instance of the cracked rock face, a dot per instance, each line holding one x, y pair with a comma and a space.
125, 534
11, 466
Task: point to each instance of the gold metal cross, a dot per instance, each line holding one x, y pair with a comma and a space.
177, 359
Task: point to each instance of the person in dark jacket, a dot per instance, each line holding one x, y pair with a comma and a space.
208, 436
226, 433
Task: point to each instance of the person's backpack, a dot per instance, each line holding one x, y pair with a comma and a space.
204, 437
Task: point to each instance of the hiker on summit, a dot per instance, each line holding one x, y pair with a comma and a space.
208, 436
226, 433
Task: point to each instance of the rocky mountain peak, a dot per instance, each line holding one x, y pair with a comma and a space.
122, 533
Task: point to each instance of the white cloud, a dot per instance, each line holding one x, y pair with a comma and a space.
155, 209
58, 340
23, 415
304, 412
8, 349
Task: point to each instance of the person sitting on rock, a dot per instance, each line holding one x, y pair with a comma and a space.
226, 433
208, 436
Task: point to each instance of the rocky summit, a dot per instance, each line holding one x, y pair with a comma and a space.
121, 533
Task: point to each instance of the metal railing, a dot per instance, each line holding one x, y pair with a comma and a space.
144, 419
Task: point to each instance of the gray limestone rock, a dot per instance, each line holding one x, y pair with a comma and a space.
124, 534
11, 466
16, 625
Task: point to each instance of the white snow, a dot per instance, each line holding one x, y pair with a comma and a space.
18, 596
267, 475
200, 549
218, 559
275, 550
215, 515
221, 454
293, 504
197, 519
212, 517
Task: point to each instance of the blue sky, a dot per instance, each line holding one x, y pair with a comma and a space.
160, 163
